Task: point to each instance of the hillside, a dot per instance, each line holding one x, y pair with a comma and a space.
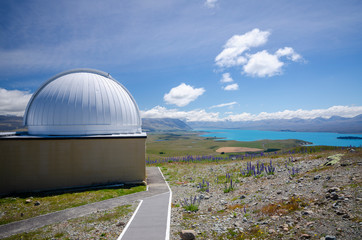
12, 123
164, 124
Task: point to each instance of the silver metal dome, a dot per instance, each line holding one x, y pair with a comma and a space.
82, 102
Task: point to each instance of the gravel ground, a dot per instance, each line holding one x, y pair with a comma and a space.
318, 202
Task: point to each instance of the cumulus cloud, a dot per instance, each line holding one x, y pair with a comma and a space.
226, 78
188, 116
289, 53
13, 102
203, 115
260, 64
237, 45
210, 3
182, 95
223, 105
231, 87
263, 64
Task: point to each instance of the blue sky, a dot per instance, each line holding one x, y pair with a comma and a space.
194, 60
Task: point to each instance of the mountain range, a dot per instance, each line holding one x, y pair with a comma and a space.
333, 124
14, 123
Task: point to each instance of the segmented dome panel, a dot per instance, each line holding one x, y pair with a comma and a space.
82, 102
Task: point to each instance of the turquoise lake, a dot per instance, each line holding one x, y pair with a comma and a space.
317, 138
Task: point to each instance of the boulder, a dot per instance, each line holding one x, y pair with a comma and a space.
188, 234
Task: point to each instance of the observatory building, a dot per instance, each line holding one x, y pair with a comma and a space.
84, 129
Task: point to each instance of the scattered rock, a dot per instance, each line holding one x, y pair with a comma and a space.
309, 223
309, 212
316, 177
37, 203
305, 236
188, 234
28, 201
120, 224
330, 237
340, 213
334, 189
334, 196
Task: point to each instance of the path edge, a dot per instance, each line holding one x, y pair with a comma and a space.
169, 208
130, 221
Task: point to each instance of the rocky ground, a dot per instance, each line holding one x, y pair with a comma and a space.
309, 196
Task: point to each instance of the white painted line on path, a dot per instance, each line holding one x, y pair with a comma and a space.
169, 208
129, 222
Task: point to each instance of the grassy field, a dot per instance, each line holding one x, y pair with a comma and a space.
161, 145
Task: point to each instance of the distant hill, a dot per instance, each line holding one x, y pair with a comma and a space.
164, 124
333, 124
13, 123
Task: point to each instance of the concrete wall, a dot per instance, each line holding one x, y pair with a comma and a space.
54, 163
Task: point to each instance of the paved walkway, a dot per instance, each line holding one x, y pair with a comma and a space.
154, 206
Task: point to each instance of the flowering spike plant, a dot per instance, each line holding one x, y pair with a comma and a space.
204, 186
193, 205
230, 187
270, 169
293, 172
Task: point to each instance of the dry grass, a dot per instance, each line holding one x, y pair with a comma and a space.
235, 206
284, 207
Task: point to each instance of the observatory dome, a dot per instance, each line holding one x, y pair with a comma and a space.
82, 102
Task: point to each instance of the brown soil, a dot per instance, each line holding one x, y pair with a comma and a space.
238, 149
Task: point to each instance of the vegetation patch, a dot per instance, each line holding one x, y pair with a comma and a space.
22, 207
284, 207
87, 227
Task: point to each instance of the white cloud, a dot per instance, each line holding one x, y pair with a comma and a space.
203, 115
189, 116
223, 105
231, 87
226, 78
263, 64
13, 102
342, 111
210, 3
260, 64
237, 45
182, 95
289, 53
